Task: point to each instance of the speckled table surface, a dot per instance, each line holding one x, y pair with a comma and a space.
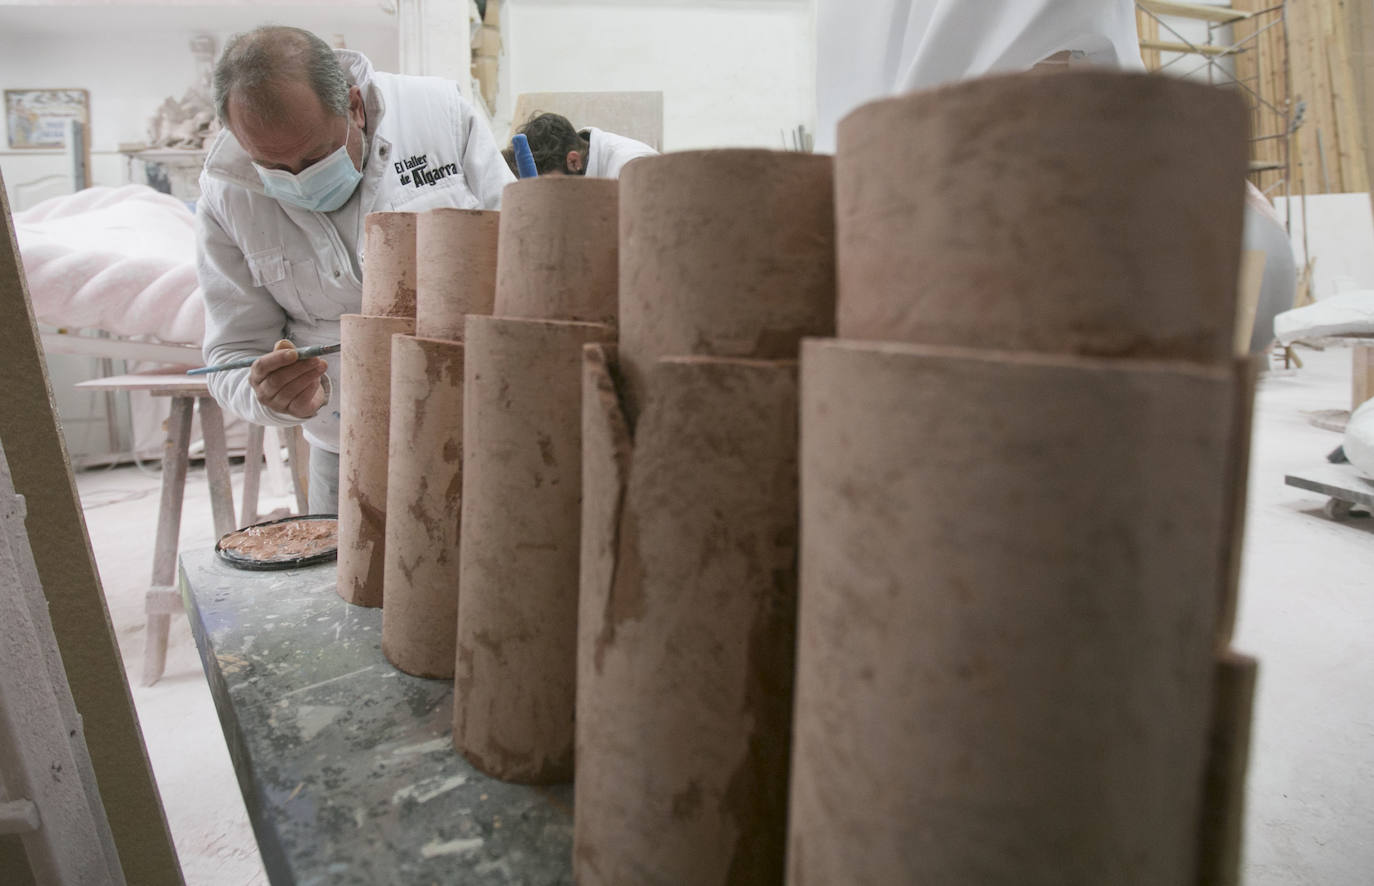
345, 763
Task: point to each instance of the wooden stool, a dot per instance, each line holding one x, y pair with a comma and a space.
163, 599
298, 462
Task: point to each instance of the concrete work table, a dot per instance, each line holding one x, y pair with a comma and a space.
345, 763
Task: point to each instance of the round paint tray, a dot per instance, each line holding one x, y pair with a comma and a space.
282, 544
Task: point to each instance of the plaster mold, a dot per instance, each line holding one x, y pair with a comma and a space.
558, 248
726, 253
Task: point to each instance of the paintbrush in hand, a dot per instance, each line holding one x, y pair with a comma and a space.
301, 354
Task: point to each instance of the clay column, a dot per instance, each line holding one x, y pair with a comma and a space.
455, 276
1018, 469
365, 401
522, 476
687, 618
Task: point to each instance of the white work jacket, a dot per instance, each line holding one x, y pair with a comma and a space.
898, 46
271, 271
609, 152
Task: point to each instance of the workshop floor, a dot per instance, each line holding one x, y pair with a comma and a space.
1307, 613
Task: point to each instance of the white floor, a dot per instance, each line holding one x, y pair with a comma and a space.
1307, 613
180, 727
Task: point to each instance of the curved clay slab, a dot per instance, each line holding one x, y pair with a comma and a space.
686, 644
364, 431
1007, 615
423, 497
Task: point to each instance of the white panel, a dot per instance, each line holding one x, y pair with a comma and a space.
732, 75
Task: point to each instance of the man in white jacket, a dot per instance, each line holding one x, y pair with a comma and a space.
561, 149
314, 139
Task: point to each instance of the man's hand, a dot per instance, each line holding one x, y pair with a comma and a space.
287, 384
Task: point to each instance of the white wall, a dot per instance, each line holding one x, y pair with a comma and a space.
1340, 240
732, 73
131, 58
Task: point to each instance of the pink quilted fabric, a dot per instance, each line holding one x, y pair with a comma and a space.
118, 259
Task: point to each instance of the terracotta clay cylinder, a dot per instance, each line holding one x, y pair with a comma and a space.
558, 246
1091, 212
727, 253
364, 422
1005, 670
423, 492
521, 517
455, 269
687, 625
389, 264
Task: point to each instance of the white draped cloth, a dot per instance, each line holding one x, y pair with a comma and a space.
118, 259
871, 50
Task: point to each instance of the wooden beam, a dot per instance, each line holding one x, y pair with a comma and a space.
1197, 49
66, 568
1219, 14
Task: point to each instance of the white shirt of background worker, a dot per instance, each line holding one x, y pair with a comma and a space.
559, 149
313, 141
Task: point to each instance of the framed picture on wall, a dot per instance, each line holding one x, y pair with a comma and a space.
36, 118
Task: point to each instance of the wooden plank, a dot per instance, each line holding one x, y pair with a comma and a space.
67, 572
1337, 481
1354, 173
252, 475
121, 349
174, 462
159, 381
217, 465
1147, 29
1360, 30
1195, 49
1218, 14
1361, 376
34, 745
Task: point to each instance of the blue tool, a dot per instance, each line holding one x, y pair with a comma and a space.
301, 354
524, 158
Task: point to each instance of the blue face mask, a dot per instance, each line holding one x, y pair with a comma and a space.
321, 187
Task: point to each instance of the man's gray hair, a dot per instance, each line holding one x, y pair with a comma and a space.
253, 64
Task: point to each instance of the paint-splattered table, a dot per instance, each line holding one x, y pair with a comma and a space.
345, 763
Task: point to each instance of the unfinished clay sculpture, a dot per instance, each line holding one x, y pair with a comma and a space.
455, 273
